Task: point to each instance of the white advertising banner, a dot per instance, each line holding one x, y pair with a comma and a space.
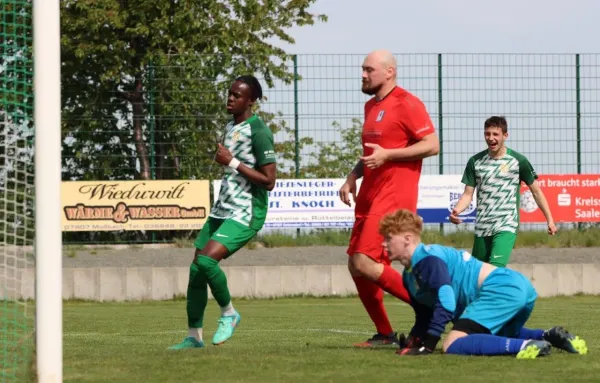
295, 203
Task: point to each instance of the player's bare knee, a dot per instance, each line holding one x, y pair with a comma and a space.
213, 250
453, 335
351, 269
446, 345
197, 252
366, 267
209, 254
358, 263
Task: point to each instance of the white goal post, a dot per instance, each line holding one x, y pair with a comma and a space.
48, 236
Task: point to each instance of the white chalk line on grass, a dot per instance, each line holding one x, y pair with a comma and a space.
111, 334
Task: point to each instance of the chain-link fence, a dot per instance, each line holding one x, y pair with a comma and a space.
175, 115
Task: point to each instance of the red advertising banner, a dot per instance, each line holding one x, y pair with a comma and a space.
571, 197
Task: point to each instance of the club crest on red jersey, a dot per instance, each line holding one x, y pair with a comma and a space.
380, 115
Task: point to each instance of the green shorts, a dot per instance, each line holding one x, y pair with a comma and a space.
494, 249
229, 233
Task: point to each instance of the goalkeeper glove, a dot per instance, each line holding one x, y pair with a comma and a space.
412, 341
425, 347
414, 351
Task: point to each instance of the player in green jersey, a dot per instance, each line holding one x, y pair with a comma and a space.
248, 155
497, 174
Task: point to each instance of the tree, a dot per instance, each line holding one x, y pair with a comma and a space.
337, 159
286, 163
191, 48
140, 70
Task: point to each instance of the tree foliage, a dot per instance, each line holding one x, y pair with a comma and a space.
144, 82
190, 50
336, 159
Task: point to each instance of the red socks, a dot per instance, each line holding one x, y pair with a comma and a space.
391, 281
371, 297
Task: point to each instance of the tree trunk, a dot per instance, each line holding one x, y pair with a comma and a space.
137, 102
160, 152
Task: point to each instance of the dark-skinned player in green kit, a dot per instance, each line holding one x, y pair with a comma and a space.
248, 156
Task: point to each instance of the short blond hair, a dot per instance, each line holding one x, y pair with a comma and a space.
399, 222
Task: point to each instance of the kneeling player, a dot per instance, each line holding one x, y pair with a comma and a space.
488, 305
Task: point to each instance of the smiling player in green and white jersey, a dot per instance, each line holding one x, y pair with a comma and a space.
248, 155
497, 173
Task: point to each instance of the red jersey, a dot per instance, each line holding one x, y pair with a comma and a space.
399, 120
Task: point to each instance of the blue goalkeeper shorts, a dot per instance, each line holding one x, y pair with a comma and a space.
504, 303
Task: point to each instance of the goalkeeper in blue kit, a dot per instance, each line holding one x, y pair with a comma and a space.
488, 305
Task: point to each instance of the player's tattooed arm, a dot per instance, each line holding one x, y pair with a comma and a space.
358, 170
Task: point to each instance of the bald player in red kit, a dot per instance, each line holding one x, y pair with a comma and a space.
397, 134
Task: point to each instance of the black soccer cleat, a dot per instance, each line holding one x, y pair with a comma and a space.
380, 340
560, 338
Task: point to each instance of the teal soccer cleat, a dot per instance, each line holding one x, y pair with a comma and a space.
227, 325
189, 342
534, 348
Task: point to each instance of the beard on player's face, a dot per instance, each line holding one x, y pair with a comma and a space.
369, 89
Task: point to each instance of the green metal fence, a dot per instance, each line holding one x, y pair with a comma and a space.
550, 100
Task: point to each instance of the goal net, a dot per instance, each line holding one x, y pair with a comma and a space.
16, 190
16, 253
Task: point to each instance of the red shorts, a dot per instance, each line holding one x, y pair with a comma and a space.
365, 239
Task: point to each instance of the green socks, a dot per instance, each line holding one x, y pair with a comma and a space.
205, 271
197, 297
217, 282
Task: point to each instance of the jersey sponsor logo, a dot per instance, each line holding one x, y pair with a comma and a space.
221, 235
380, 115
375, 134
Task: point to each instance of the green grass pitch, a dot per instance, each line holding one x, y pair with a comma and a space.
299, 340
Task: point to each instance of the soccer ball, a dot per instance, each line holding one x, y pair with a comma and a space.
528, 204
